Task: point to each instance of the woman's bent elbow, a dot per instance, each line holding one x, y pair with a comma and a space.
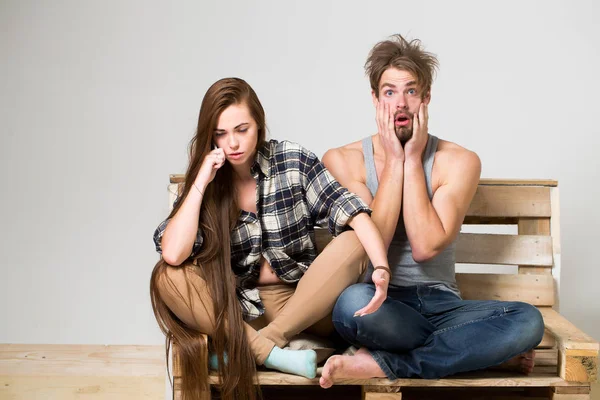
172, 259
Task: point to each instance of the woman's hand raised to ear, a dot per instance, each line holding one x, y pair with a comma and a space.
210, 165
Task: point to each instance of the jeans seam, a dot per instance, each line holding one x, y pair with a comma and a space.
471, 322
386, 370
357, 341
504, 310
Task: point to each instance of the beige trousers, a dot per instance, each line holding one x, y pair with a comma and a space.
288, 310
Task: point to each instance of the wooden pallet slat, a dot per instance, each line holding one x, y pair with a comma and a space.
534, 289
534, 226
509, 201
476, 248
577, 351
544, 374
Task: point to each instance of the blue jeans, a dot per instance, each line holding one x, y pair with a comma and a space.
427, 332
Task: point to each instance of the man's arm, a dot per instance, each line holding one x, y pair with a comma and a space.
432, 225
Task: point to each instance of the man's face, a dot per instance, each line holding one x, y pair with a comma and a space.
399, 89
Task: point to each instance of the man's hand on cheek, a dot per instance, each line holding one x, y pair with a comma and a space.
416, 145
387, 133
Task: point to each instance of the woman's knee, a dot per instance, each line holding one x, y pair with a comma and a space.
186, 294
348, 245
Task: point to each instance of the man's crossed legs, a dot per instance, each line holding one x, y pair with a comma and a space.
428, 332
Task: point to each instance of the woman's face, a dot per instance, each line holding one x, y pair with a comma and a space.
237, 134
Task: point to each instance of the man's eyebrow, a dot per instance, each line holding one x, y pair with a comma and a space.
223, 130
391, 85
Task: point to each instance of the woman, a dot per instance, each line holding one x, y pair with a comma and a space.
238, 244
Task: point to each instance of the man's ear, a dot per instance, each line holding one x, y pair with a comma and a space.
427, 98
374, 98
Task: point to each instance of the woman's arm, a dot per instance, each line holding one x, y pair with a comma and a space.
328, 201
182, 229
371, 239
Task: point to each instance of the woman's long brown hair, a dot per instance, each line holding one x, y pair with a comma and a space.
218, 215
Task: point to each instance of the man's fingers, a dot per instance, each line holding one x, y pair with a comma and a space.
416, 124
379, 116
390, 124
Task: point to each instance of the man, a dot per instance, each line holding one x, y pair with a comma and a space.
419, 188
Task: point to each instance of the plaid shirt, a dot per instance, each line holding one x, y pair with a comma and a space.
295, 194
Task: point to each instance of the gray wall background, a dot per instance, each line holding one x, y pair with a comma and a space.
98, 101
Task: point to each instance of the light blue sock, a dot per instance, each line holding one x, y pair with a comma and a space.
213, 360
297, 362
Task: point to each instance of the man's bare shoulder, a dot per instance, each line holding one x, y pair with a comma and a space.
353, 149
450, 153
351, 152
452, 159
348, 158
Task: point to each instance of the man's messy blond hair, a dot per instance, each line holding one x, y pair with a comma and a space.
404, 55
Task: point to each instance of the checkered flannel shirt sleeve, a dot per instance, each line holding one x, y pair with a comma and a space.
160, 231
252, 306
330, 204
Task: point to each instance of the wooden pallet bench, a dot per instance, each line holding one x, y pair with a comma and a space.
527, 264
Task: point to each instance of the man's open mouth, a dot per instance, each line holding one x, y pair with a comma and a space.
401, 119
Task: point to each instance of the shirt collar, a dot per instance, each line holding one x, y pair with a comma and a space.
262, 160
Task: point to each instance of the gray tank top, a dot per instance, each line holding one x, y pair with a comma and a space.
439, 271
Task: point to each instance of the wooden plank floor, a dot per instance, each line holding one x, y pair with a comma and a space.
69, 372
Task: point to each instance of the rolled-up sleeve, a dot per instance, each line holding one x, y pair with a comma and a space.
160, 231
330, 204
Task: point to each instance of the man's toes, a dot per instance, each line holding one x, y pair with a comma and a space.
527, 365
325, 383
530, 355
326, 380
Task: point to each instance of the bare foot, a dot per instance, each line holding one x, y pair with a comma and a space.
524, 363
359, 366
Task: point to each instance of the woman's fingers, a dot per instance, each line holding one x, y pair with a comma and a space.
381, 281
218, 157
373, 305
